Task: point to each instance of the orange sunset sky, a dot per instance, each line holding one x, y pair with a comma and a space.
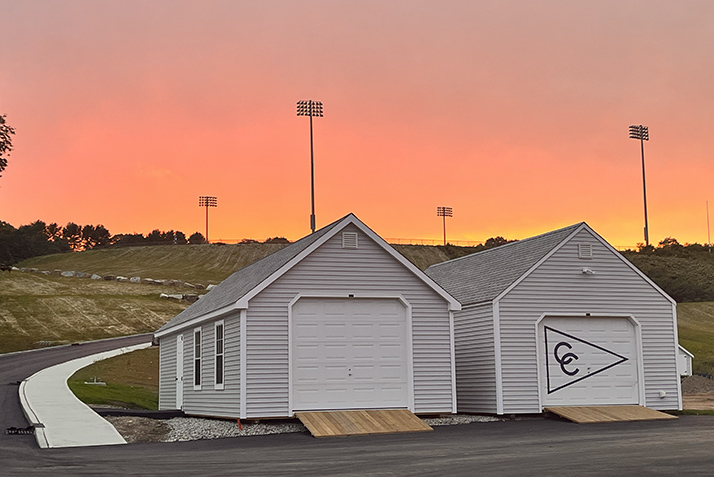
515, 114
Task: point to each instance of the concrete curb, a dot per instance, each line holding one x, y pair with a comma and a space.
59, 418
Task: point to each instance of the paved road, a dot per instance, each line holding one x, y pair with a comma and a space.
525, 447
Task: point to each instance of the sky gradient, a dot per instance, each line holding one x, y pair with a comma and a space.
515, 114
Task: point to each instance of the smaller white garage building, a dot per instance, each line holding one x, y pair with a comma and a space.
336, 320
561, 319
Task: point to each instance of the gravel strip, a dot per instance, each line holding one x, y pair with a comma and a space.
180, 429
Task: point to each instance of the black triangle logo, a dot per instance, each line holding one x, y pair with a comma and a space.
558, 350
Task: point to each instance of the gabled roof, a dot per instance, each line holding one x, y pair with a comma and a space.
235, 291
483, 276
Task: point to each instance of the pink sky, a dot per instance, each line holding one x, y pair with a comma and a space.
513, 113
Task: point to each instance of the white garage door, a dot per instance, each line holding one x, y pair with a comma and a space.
588, 361
349, 354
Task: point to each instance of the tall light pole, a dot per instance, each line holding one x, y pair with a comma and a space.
207, 201
642, 133
444, 212
311, 108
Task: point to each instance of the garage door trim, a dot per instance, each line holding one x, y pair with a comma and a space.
409, 343
638, 347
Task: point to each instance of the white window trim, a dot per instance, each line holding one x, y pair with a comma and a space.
197, 360
222, 354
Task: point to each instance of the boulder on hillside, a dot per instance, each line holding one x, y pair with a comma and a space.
57, 272
109, 277
122, 279
148, 281
188, 285
173, 283
199, 286
67, 274
95, 277
135, 279
46, 272
82, 275
211, 287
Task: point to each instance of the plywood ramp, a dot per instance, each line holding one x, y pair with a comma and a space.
592, 414
355, 423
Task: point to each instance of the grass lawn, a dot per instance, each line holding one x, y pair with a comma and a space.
696, 333
132, 380
38, 310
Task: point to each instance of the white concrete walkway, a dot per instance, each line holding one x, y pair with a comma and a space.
60, 419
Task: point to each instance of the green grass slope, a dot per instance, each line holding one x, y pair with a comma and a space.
38, 310
696, 333
210, 263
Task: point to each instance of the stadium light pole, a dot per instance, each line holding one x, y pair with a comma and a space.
207, 201
444, 212
642, 133
311, 108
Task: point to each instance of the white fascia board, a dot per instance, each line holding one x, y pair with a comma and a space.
199, 319
629, 264
539, 262
454, 305
687, 352
242, 303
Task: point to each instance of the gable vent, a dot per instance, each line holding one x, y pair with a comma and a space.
349, 239
585, 251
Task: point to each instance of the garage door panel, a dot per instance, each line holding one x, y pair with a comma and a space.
359, 348
588, 361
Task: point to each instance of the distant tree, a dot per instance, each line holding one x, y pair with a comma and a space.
73, 234
277, 240
155, 236
495, 242
246, 240
122, 240
95, 236
180, 238
5, 142
196, 238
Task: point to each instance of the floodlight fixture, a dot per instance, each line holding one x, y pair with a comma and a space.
444, 212
207, 201
643, 134
311, 108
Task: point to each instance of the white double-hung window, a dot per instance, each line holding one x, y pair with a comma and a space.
197, 359
219, 353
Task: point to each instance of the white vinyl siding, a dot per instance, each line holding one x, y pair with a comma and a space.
210, 401
475, 359
558, 286
370, 271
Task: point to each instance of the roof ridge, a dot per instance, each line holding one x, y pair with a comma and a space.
515, 242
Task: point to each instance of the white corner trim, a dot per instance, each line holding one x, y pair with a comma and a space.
677, 347
243, 364
452, 344
497, 356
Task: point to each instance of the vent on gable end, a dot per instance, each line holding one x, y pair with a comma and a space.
585, 251
349, 240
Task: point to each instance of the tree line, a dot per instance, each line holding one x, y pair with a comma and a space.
40, 238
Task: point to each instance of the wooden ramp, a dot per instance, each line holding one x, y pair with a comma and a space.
355, 423
591, 414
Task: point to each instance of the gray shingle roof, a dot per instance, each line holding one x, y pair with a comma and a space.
482, 276
244, 280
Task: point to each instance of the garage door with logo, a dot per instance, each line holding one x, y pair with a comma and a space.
349, 353
588, 361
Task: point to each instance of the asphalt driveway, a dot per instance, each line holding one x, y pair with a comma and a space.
520, 447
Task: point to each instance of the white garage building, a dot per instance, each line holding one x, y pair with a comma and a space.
336, 320
561, 319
